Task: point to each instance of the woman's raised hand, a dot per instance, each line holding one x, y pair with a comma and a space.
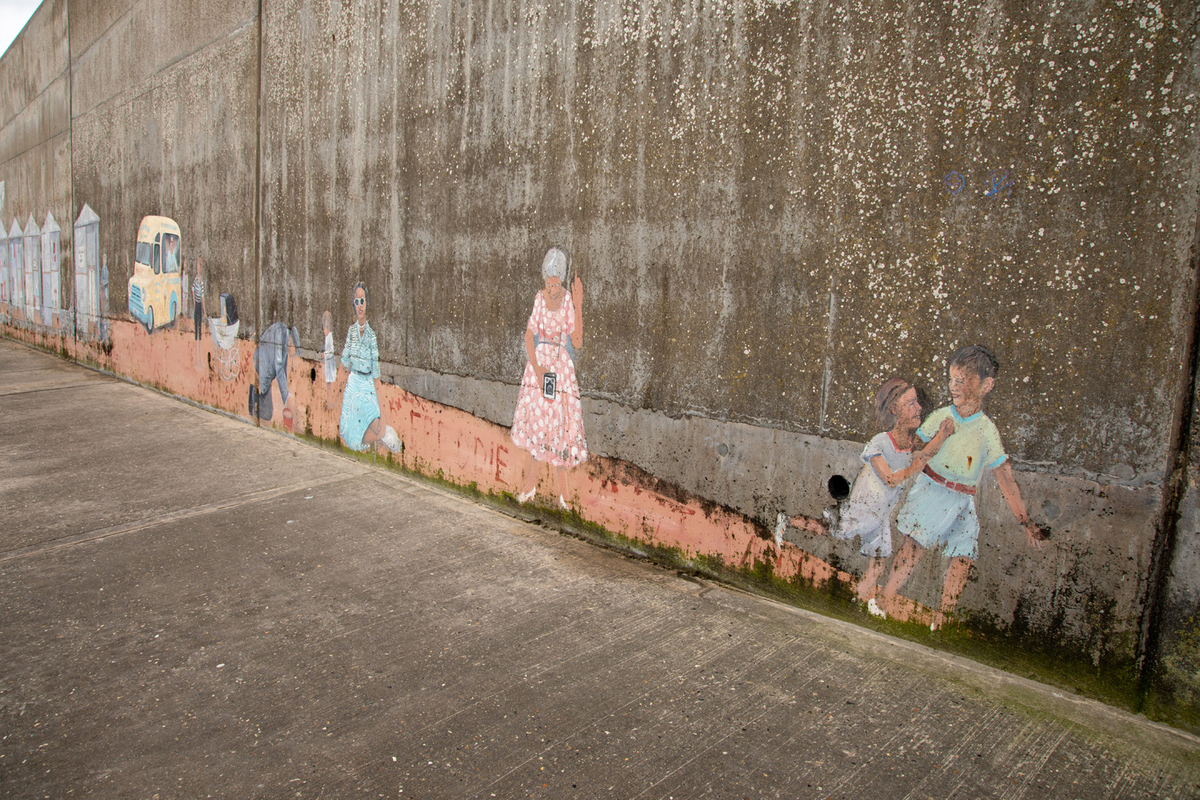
577, 290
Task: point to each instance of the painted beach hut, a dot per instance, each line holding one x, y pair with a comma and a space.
5, 289
16, 269
33, 270
87, 272
51, 271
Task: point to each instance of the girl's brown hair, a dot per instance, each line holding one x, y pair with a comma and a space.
889, 393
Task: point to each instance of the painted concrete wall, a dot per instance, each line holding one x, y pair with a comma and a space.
772, 208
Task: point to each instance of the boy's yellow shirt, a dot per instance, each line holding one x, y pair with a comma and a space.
973, 447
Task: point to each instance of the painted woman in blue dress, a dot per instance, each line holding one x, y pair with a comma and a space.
360, 426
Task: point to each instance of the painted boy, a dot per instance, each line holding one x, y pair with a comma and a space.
939, 510
888, 463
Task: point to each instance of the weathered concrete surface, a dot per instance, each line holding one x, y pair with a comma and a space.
272, 620
772, 207
32, 66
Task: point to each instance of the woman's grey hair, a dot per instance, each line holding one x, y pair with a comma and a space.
555, 263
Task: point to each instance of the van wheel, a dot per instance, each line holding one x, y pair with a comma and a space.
150, 319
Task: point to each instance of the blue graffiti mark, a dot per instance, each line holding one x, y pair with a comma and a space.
954, 182
999, 181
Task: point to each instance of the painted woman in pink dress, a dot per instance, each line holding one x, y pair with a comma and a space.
548, 422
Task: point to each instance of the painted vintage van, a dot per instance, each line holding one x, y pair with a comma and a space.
155, 287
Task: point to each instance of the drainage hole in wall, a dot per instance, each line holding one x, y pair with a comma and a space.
312, 375
839, 488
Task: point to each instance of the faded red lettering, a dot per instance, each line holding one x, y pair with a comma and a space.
500, 463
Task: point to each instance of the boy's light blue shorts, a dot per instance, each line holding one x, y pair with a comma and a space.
935, 516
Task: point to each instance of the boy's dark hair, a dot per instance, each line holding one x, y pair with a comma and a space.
978, 358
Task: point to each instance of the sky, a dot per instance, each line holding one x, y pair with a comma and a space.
13, 16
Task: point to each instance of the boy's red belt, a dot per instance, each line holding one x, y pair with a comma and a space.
951, 485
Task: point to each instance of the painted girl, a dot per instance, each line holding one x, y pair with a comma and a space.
548, 421
328, 357
360, 425
888, 461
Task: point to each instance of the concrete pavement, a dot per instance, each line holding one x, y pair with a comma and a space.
194, 607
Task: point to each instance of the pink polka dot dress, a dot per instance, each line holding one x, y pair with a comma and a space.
551, 429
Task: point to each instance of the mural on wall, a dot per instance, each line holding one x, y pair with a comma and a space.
361, 424
938, 512
16, 270
154, 287
89, 312
328, 357
223, 329
51, 279
889, 461
33, 270
548, 420
30, 273
5, 295
275, 345
197, 293
102, 316
5, 291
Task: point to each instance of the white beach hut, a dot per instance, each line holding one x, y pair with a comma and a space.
5, 290
16, 269
51, 271
33, 270
87, 272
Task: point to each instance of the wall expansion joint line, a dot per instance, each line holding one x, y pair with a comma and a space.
1175, 481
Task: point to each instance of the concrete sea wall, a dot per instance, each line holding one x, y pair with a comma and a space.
770, 208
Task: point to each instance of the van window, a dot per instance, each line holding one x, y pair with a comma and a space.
170, 255
154, 259
143, 253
